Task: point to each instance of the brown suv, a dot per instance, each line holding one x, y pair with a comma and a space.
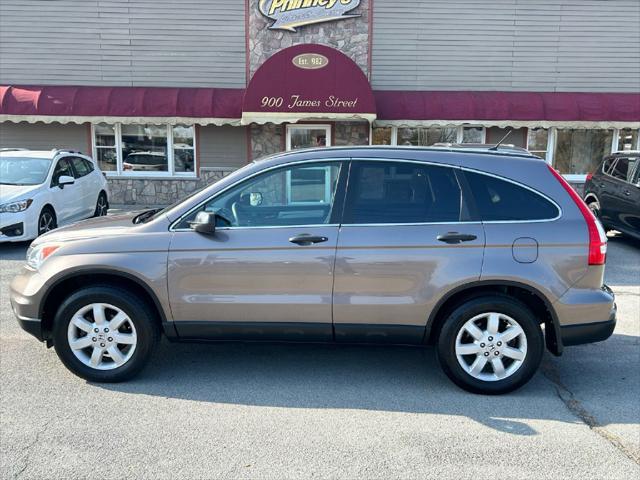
472, 250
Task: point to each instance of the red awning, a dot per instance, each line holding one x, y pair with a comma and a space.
85, 103
307, 82
507, 107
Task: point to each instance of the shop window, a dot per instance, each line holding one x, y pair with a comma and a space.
382, 136
308, 136
105, 147
627, 140
473, 135
427, 136
145, 149
581, 151
537, 141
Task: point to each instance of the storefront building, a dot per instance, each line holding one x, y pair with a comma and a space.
168, 96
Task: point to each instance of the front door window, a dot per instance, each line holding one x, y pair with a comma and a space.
288, 196
308, 136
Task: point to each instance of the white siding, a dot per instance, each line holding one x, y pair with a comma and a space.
533, 45
188, 43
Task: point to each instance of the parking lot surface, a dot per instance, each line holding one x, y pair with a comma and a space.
289, 411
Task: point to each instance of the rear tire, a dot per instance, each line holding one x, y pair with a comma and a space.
90, 349
479, 350
594, 206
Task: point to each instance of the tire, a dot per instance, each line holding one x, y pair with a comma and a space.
47, 220
135, 337
594, 206
102, 205
455, 340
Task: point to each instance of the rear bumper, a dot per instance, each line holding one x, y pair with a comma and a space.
587, 332
581, 333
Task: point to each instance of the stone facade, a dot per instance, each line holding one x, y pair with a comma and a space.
266, 140
351, 133
151, 191
350, 36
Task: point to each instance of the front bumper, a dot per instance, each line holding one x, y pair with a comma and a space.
25, 297
11, 223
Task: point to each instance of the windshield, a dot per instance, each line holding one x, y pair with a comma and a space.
23, 171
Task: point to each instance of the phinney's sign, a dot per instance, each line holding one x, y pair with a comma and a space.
290, 14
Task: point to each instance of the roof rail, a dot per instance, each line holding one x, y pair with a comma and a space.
13, 149
58, 151
484, 146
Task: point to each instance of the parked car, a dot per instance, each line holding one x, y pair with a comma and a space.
472, 250
41, 190
145, 162
612, 192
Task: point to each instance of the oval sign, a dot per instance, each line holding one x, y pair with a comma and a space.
310, 61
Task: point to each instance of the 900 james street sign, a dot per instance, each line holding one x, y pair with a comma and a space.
290, 14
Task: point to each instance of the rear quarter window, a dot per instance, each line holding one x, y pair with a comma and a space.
501, 200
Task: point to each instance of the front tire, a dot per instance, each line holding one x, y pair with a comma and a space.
104, 334
47, 220
490, 345
102, 205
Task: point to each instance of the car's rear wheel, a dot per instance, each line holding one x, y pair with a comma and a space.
102, 205
47, 220
104, 334
491, 344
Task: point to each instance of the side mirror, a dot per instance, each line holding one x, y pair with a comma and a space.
205, 222
65, 180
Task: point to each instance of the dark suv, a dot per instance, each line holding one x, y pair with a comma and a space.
612, 192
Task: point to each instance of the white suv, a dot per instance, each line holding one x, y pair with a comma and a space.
41, 190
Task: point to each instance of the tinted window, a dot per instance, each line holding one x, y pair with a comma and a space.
499, 200
80, 166
621, 169
606, 165
89, 165
624, 169
397, 192
63, 168
299, 195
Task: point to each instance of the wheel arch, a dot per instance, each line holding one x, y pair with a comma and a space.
532, 297
591, 196
72, 282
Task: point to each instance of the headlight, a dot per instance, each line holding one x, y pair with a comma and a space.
38, 254
15, 207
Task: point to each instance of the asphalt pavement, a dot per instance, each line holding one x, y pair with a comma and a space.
289, 411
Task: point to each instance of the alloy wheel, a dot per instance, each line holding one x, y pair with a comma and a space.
46, 222
491, 346
102, 336
101, 206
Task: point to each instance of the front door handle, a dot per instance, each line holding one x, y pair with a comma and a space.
455, 237
306, 239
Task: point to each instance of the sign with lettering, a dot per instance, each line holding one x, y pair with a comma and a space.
310, 61
308, 82
290, 14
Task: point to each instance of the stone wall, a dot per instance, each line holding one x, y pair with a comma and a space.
266, 140
350, 36
150, 191
351, 133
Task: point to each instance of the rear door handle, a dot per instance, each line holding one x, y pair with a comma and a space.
306, 239
627, 193
455, 237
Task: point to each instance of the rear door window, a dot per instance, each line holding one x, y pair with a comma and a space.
401, 192
501, 200
621, 169
80, 166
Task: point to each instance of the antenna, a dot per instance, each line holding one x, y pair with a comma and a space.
495, 147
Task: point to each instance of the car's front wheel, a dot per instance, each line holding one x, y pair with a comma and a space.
102, 205
104, 334
491, 344
46, 220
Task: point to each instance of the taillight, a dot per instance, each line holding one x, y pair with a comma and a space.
589, 176
597, 236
